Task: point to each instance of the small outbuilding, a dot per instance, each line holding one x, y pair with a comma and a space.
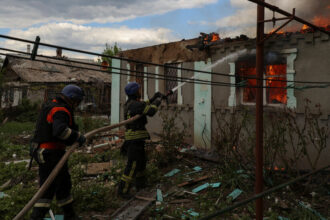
42, 79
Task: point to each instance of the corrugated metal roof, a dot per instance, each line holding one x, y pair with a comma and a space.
37, 71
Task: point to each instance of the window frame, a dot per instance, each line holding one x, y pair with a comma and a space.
176, 93
264, 90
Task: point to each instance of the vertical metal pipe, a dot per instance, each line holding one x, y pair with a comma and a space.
259, 110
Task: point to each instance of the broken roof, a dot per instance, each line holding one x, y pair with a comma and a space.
42, 72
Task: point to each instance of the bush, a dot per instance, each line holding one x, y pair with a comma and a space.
24, 112
87, 123
173, 135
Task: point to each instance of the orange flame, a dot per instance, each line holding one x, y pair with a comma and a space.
207, 38
321, 21
276, 168
215, 37
278, 32
276, 95
304, 27
275, 91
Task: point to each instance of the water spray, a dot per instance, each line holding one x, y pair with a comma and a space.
230, 56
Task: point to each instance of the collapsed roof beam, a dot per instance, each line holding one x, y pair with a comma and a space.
294, 17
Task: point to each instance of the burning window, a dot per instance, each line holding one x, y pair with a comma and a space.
171, 82
275, 84
278, 94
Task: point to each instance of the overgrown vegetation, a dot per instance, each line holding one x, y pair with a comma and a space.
24, 112
174, 132
289, 138
235, 140
20, 184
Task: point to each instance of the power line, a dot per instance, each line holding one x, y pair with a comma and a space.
172, 78
324, 84
108, 56
178, 79
159, 77
150, 63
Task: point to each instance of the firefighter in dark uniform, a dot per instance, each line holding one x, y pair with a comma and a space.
56, 129
135, 137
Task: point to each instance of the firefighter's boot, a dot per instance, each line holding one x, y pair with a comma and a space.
123, 189
69, 213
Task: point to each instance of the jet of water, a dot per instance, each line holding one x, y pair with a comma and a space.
224, 59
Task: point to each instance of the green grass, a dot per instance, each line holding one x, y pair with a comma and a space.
13, 128
20, 193
8, 132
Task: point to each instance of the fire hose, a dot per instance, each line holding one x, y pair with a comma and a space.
60, 164
65, 157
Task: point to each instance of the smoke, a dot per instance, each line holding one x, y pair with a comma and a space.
243, 21
306, 9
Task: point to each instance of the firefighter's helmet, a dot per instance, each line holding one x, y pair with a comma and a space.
73, 92
132, 88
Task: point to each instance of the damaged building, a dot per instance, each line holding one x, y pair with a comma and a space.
289, 58
43, 79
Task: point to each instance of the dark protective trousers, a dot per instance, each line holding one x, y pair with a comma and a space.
135, 166
60, 187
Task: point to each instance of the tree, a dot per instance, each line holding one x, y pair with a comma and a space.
109, 51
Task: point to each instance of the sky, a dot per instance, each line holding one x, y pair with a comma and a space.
89, 25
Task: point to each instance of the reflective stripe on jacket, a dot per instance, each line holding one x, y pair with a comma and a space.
55, 127
135, 135
137, 130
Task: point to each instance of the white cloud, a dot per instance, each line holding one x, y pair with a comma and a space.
88, 38
22, 14
242, 18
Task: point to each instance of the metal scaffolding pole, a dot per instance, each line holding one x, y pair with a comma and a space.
294, 17
259, 110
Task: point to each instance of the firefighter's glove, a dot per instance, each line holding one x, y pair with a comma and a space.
157, 102
157, 95
81, 140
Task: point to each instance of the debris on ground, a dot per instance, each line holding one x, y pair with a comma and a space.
234, 194
172, 173
192, 181
97, 168
186, 184
134, 207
